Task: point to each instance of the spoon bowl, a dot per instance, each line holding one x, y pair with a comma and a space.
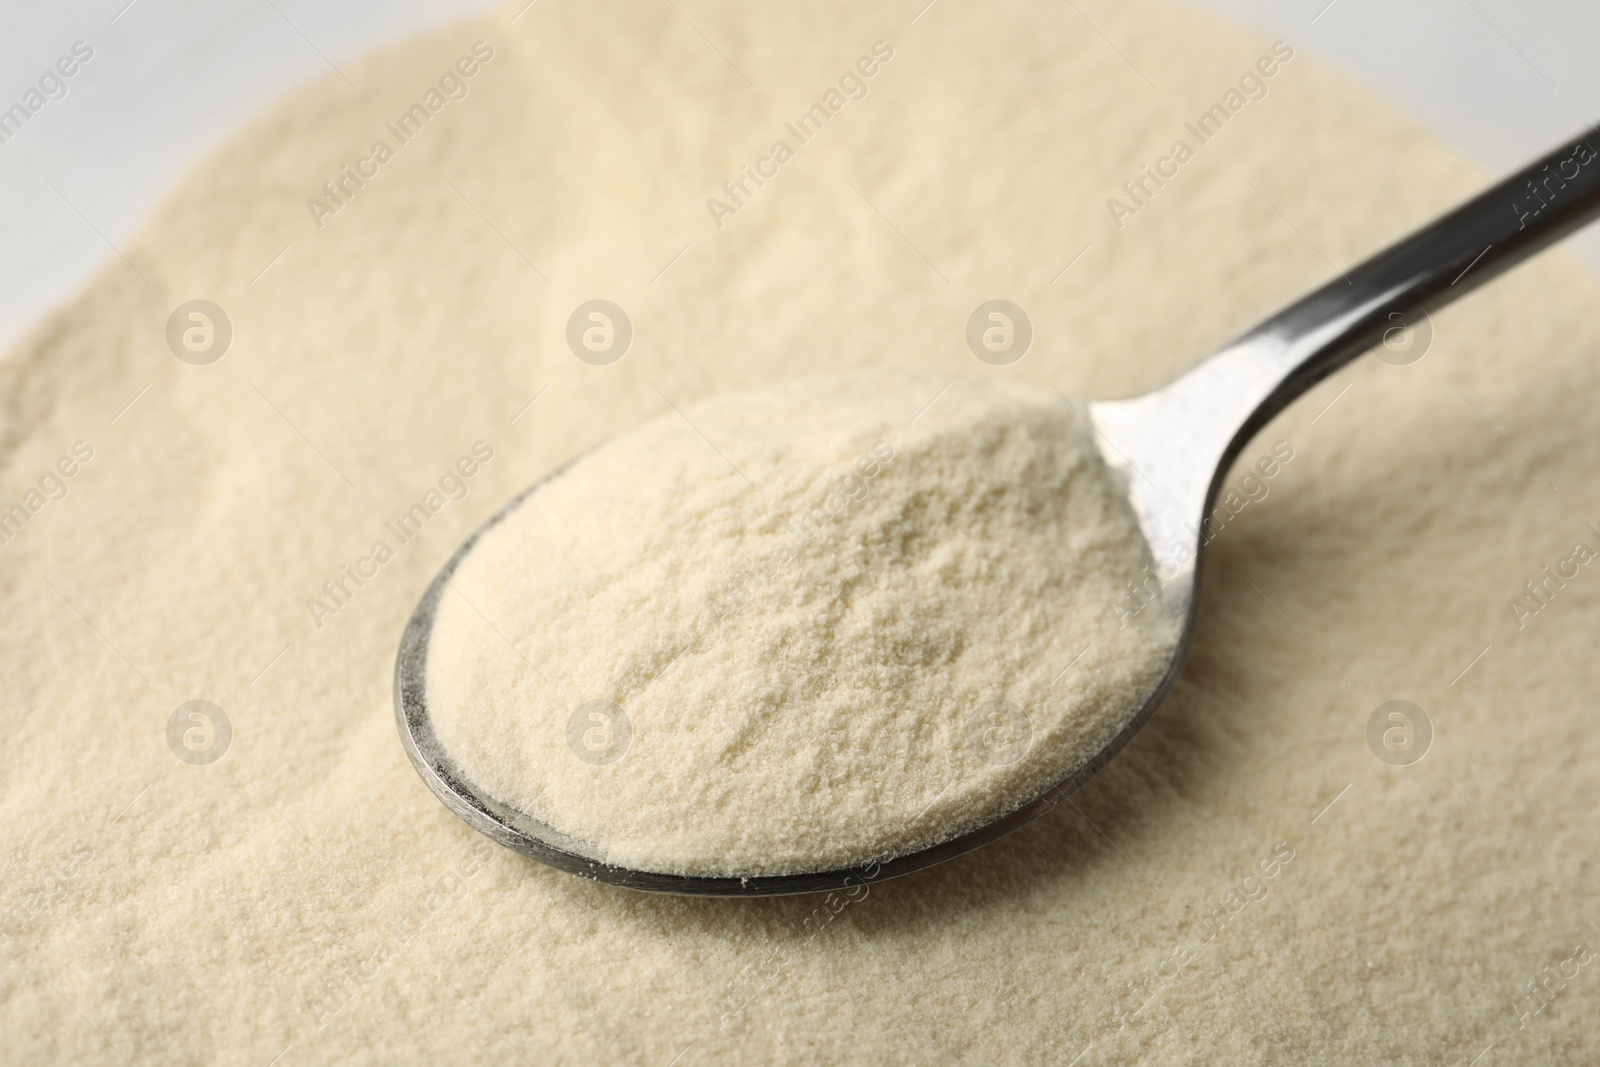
1171, 448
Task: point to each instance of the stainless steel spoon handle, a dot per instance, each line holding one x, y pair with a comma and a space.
1174, 445
1438, 264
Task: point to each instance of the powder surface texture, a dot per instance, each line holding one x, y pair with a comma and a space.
802, 627
1246, 883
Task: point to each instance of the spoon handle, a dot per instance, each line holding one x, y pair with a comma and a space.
1174, 444
1446, 259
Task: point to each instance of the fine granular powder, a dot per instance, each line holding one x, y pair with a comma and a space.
1247, 882
801, 628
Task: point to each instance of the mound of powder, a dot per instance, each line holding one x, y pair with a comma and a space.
801, 627
1247, 883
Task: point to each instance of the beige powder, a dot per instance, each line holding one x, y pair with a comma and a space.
307, 898
801, 628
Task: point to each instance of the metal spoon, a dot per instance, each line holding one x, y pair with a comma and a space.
1173, 447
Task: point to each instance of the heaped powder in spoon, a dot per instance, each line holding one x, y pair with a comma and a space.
800, 628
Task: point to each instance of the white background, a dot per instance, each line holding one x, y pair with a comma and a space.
1503, 80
